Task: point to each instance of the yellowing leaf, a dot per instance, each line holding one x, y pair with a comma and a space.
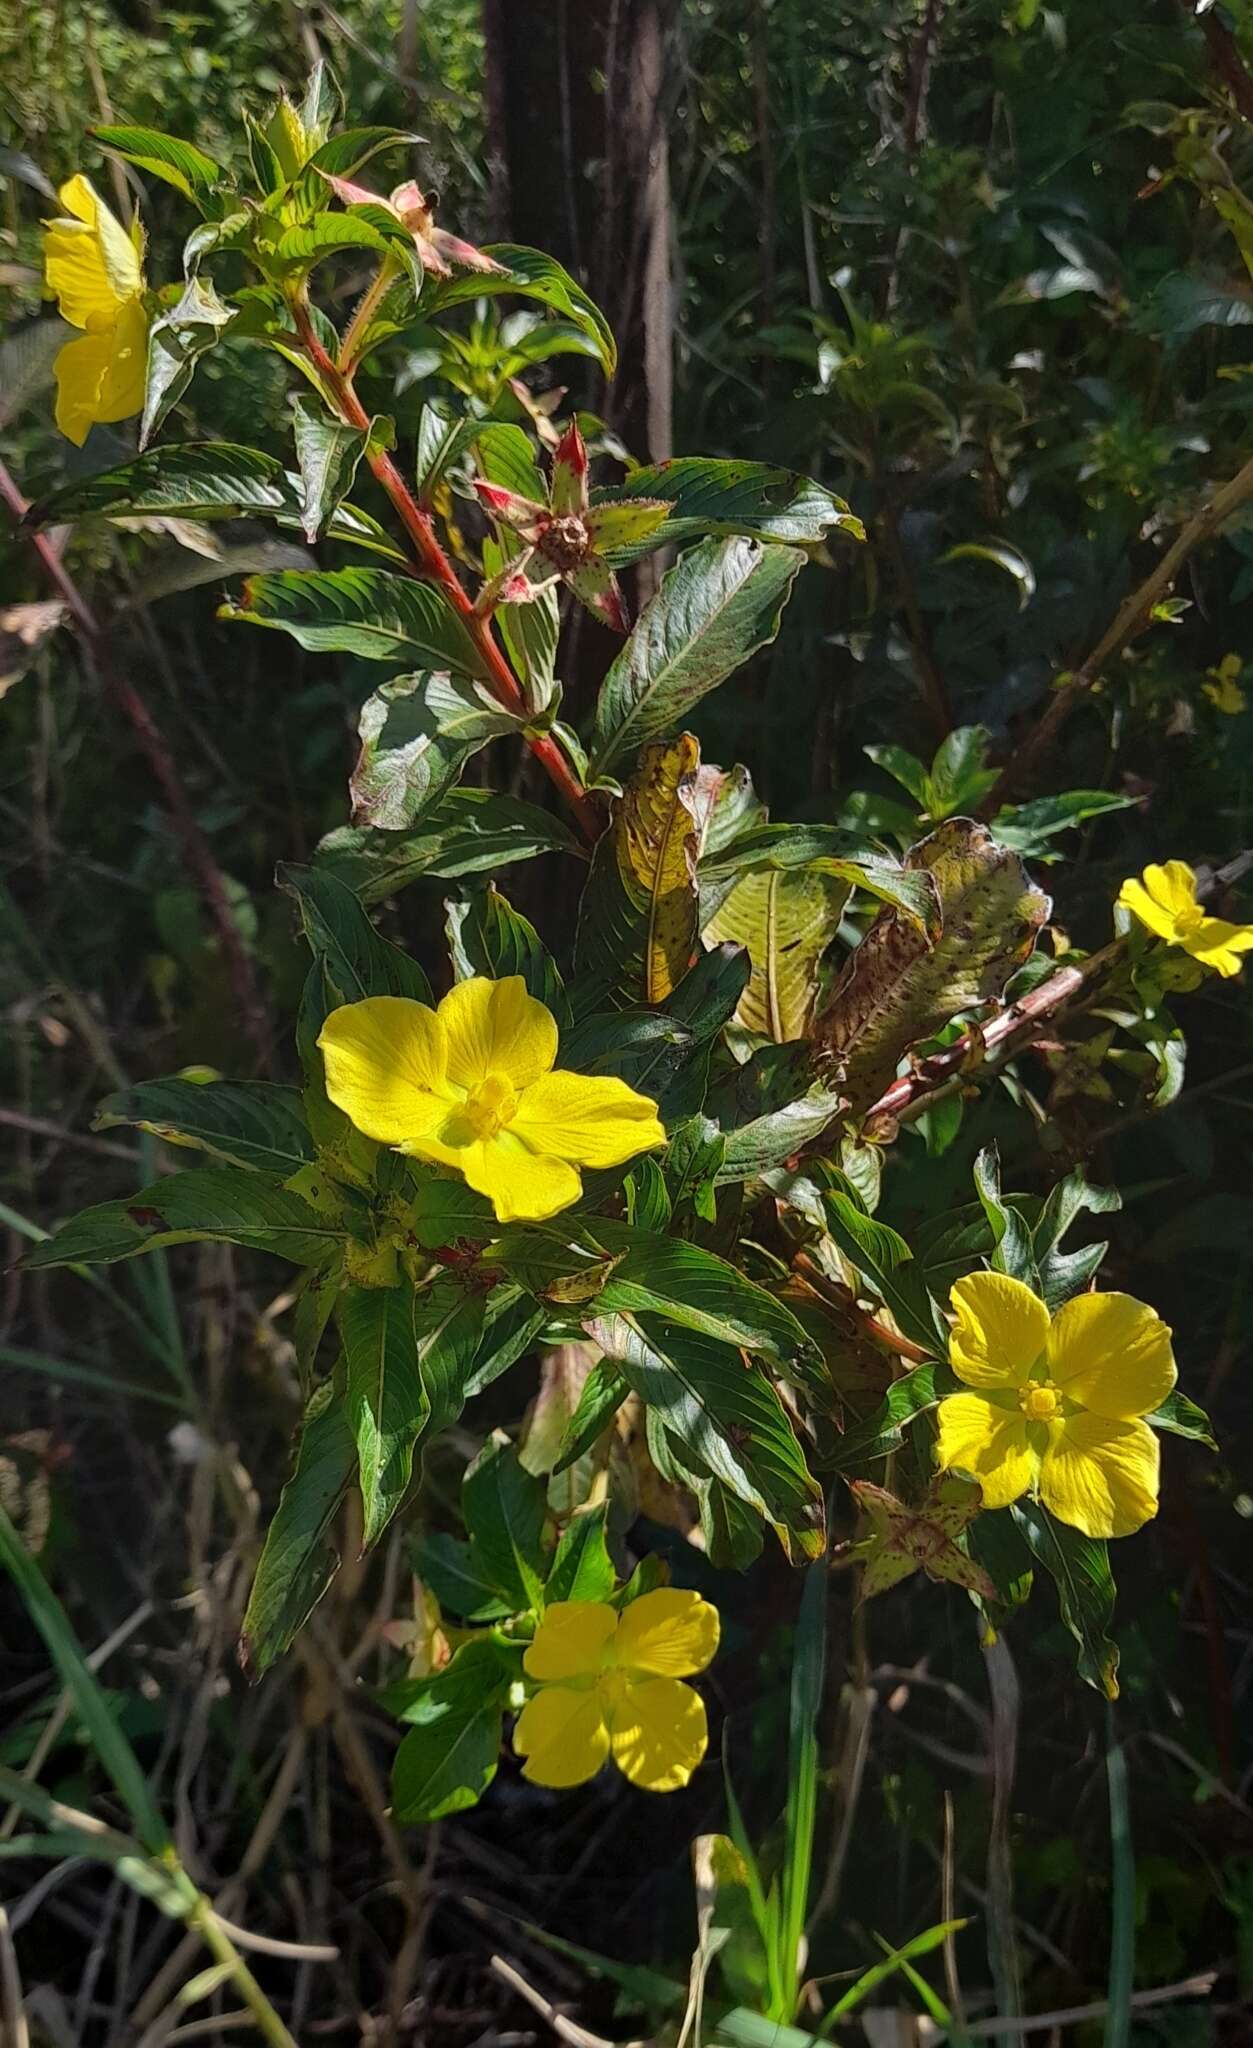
787, 920
638, 922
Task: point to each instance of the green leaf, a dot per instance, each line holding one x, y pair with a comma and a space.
185, 480
767, 1141
1011, 1238
408, 1357
176, 341
299, 1559
448, 1757
898, 988
328, 454
528, 274
368, 612
440, 437
1181, 1417
407, 762
1028, 828
506, 455
210, 1204
959, 778
903, 767
582, 1568
352, 149
637, 932
692, 1163
504, 1509
694, 1288
1079, 1566
884, 1258
179, 163
448, 1566
468, 832
246, 1123
486, 935
300, 247
786, 921
358, 960
708, 496
718, 605
600, 1397
90, 1702
727, 1414
883, 1432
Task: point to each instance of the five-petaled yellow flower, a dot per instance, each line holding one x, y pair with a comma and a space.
612, 1684
471, 1085
94, 269
1057, 1402
1164, 899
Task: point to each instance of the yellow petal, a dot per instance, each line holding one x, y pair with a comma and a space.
1164, 895
495, 1027
659, 1733
1100, 1475
1135, 897
990, 1443
592, 1121
386, 1068
1219, 945
122, 393
522, 1186
1111, 1353
90, 262
669, 1632
562, 1735
80, 369
1000, 1332
571, 1640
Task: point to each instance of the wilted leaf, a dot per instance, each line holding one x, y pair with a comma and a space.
900, 1540
787, 921
896, 989
23, 631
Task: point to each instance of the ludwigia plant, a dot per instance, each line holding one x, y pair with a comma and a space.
646, 1172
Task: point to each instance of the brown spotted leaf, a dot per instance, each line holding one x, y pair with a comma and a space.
899, 987
895, 1540
638, 921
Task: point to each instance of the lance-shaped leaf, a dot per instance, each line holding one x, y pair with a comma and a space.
692, 1287
1079, 1567
727, 1414
328, 454
898, 989
246, 1123
528, 274
602, 1394
505, 1508
168, 157
408, 1358
407, 761
449, 1754
176, 341
186, 480
710, 497
637, 931
466, 833
299, 1559
718, 605
898, 1540
882, 1432
486, 935
361, 611
786, 921
886, 1261
208, 1204
357, 959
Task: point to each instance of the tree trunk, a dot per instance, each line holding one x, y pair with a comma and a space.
577, 139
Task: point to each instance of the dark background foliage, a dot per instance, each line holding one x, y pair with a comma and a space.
959, 262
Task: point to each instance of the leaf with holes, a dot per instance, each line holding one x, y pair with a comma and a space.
899, 988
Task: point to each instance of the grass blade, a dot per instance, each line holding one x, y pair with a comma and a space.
808, 1670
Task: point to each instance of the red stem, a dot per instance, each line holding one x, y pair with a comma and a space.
196, 850
434, 561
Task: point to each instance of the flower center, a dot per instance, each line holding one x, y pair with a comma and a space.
1188, 922
1039, 1400
490, 1105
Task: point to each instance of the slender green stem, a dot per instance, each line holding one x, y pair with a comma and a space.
204, 1921
355, 332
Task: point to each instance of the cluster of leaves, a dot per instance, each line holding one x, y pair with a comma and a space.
780, 990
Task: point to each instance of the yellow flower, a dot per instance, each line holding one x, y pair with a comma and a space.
1222, 686
1059, 1403
1164, 899
611, 1683
471, 1085
94, 269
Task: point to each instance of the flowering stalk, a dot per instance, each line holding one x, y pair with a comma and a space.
338, 387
